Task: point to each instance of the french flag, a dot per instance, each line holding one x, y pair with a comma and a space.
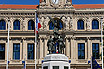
38, 25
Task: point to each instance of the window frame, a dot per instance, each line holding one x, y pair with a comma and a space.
3, 52
16, 51
31, 44
16, 25
81, 51
79, 25
3, 25
93, 24
60, 24
98, 57
32, 25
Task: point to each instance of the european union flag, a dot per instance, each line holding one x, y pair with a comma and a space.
95, 65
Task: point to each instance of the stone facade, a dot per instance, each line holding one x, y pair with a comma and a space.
69, 15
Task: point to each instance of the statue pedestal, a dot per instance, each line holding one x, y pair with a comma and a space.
55, 61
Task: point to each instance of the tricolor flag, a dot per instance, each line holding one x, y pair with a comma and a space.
38, 25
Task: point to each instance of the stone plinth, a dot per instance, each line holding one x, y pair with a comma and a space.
55, 61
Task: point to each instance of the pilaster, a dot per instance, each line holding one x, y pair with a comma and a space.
67, 46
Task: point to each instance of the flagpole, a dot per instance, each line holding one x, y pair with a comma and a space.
35, 39
102, 41
8, 43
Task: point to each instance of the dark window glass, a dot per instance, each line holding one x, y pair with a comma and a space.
2, 51
46, 67
95, 24
80, 25
16, 25
95, 50
81, 51
16, 51
2, 25
51, 25
31, 25
66, 67
55, 67
30, 51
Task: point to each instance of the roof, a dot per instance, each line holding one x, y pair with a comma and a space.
4, 6
83, 6
76, 6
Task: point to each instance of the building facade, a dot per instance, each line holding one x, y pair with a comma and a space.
80, 26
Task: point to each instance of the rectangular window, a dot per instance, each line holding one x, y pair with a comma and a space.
30, 52
55, 67
16, 51
2, 51
81, 51
66, 67
45, 67
95, 50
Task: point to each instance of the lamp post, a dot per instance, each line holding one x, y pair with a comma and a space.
102, 41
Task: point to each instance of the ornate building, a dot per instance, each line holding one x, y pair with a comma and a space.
80, 26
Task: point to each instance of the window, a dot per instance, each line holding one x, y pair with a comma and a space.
16, 51
55, 67
66, 67
16, 25
95, 50
30, 51
2, 25
31, 25
45, 67
56, 20
95, 24
80, 25
2, 51
81, 51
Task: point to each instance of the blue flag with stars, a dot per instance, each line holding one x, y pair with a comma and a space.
95, 65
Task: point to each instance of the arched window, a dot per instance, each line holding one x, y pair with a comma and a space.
60, 23
31, 25
95, 24
16, 25
80, 25
2, 25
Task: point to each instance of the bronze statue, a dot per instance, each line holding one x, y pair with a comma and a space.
56, 44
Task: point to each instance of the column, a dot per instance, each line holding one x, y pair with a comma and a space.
72, 47
24, 49
67, 51
45, 47
89, 48
41, 48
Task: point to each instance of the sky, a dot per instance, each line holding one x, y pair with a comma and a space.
35, 2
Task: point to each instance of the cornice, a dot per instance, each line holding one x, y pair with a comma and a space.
62, 10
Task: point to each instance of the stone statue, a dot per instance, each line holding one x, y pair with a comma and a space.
56, 44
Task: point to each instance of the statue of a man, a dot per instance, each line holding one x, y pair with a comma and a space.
50, 45
61, 45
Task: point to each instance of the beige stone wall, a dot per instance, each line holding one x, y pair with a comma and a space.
73, 36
